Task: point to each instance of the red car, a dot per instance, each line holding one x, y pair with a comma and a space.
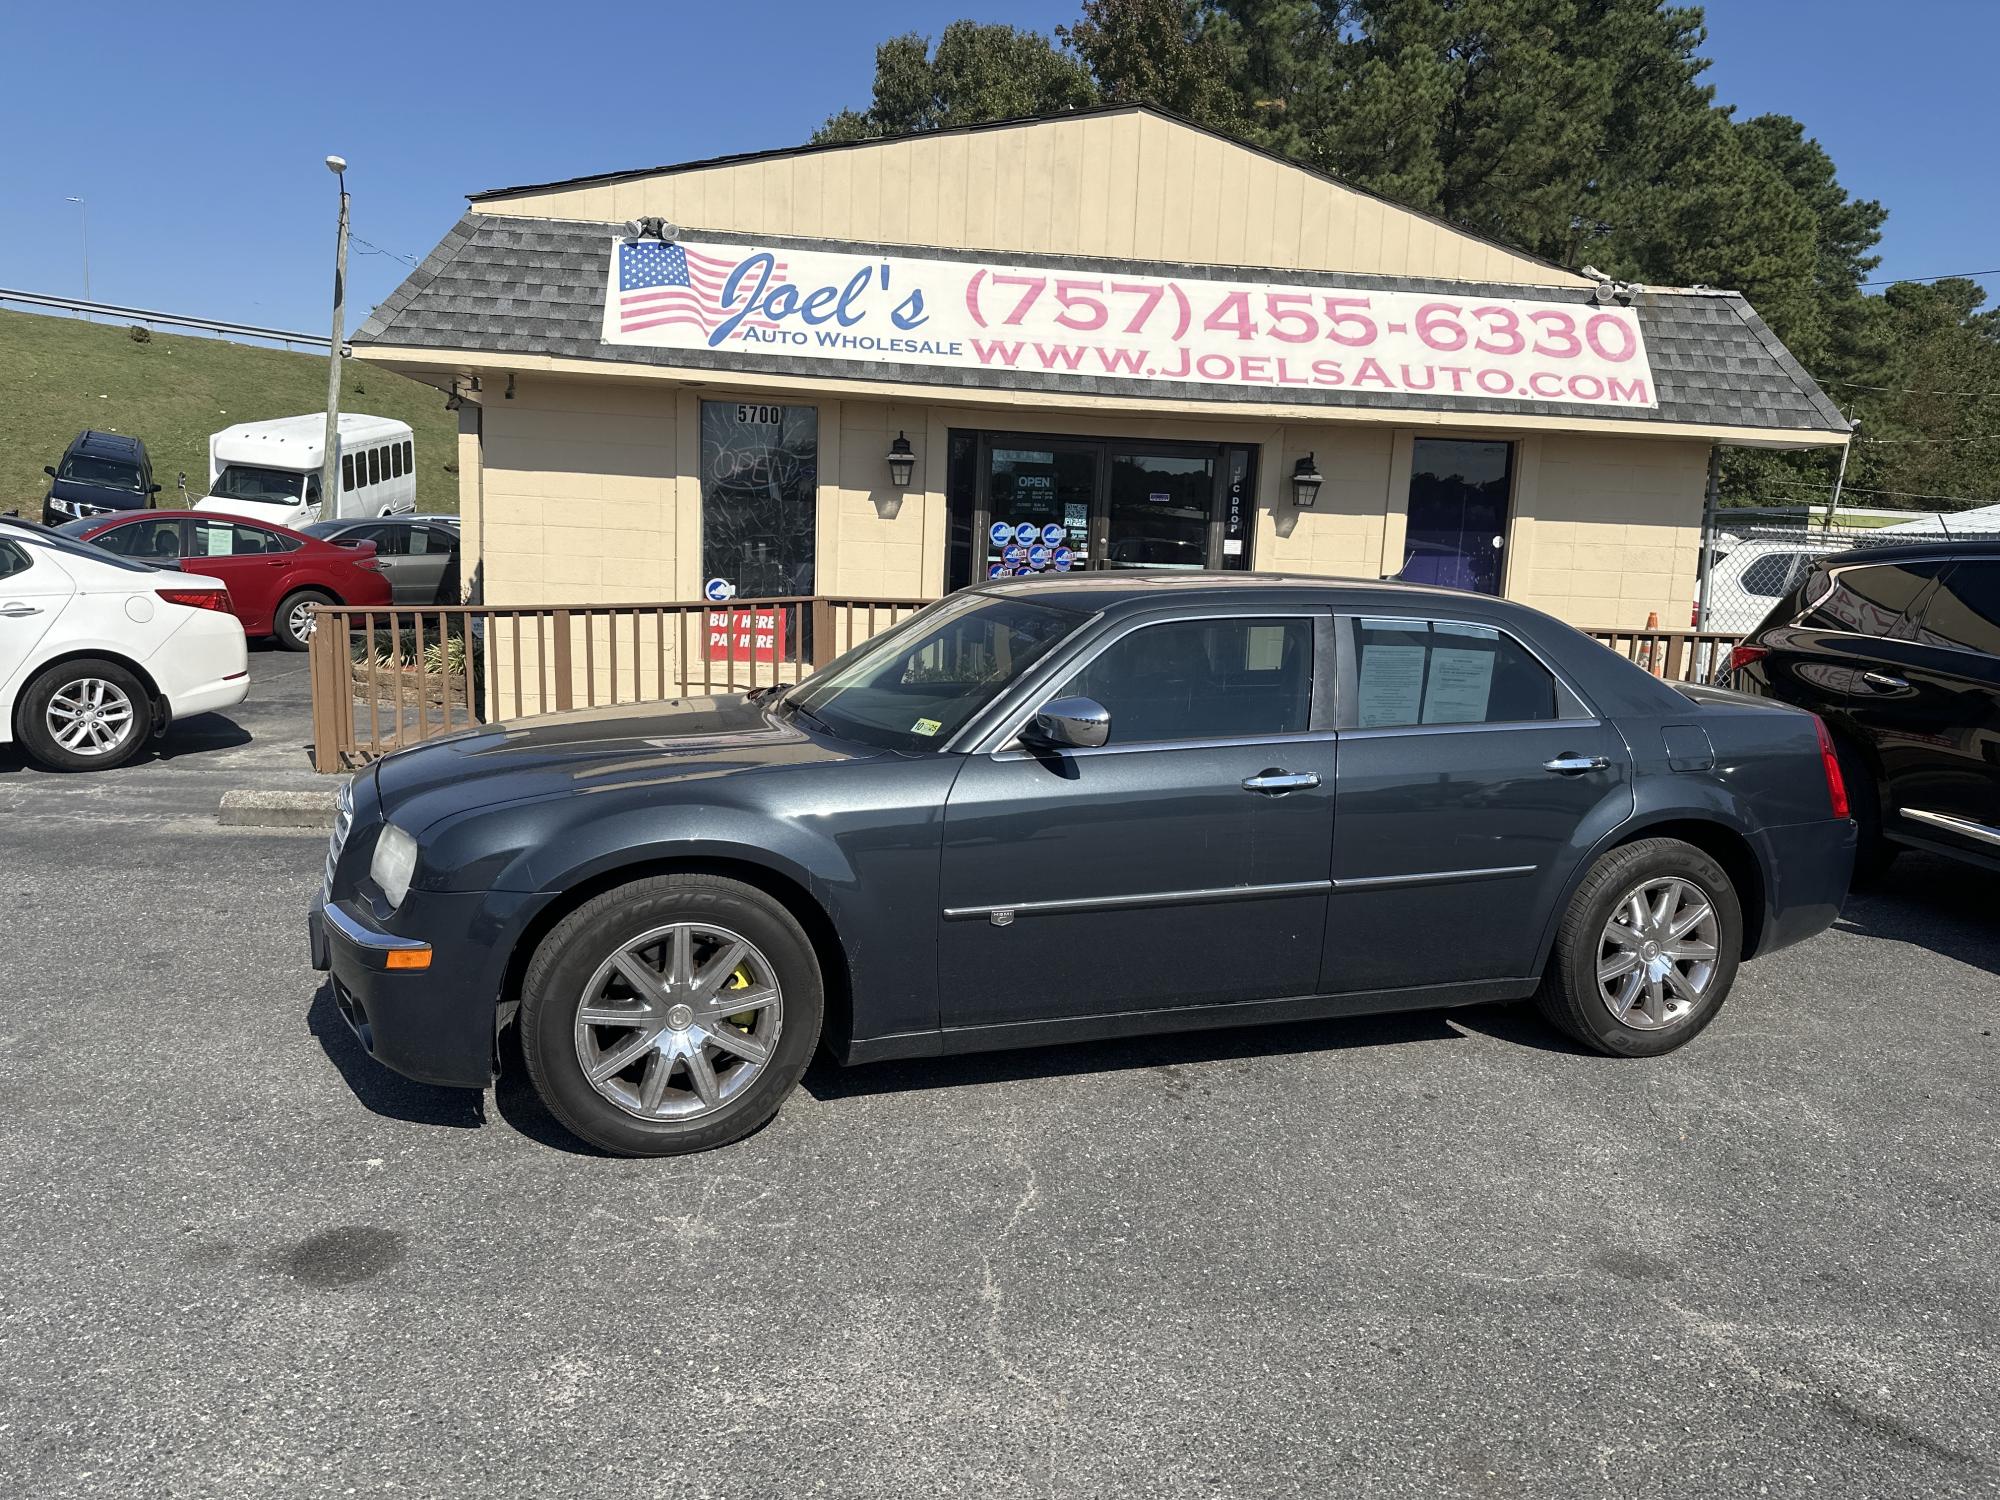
275, 576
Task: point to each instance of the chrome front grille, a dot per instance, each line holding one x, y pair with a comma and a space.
343, 823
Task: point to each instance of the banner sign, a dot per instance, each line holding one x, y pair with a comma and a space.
746, 635
1176, 331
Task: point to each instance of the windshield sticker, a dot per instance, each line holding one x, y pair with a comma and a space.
926, 727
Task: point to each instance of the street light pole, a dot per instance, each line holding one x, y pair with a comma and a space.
329, 473
84, 212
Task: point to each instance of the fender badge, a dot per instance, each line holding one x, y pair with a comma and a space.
1002, 919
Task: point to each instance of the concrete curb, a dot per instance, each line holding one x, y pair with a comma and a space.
307, 810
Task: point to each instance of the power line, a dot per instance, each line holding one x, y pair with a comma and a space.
1946, 276
1906, 390
1983, 437
1862, 489
368, 248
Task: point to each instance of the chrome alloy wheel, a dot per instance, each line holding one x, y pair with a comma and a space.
1656, 957
89, 716
679, 1021
302, 621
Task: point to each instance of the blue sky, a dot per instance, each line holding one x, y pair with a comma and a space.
196, 132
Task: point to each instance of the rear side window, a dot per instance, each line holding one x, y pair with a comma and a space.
1416, 672
1772, 574
1203, 679
347, 471
1871, 599
409, 457
12, 560
374, 465
395, 460
1965, 610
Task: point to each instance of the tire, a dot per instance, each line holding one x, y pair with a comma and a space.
651, 1097
100, 707
296, 635
1693, 989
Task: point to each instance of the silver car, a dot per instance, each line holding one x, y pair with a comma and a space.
417, 554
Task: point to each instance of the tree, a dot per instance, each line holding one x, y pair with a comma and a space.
978, 73
1929, 430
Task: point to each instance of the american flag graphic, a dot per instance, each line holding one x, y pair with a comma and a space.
661, 283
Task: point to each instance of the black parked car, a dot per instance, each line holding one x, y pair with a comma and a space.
1075, 807
1898, 649
100, 472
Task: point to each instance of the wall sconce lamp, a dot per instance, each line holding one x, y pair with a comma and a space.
1306, 480
902, 462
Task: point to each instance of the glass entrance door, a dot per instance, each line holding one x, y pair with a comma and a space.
1019, 505
1458, 514
1160, 510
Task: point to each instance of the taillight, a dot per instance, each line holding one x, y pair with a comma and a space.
1741, 656
215, 599
1836, 784
369, 563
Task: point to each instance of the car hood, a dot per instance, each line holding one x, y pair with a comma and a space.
108, 496
672, 744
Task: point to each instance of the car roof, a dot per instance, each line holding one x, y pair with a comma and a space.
1114, 588
1919, 550
105, 444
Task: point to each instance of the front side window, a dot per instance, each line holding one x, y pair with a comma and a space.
109, 473
1965, 610
154, 541
918, 685
268, 486
1203, 680
1416, 672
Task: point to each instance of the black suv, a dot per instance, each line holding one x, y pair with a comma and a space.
1898, 649
100, 472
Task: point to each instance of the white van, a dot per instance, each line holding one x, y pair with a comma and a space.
269, 471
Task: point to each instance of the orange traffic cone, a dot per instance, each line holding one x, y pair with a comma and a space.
1646, 651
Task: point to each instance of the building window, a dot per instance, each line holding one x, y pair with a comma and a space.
759, 496
1459, 495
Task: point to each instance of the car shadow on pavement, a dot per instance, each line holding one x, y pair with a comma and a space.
826, 1080
382, 1090
200, 735
1933, 903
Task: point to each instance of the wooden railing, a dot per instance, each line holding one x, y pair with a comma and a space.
1677, 655
386, 678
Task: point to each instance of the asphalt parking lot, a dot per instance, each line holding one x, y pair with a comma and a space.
1438, 1254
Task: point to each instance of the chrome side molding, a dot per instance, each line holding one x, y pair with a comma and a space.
1963, 827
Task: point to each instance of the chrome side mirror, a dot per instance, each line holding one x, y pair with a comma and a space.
1069, 724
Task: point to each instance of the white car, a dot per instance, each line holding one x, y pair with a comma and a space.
1753, 575
98, 652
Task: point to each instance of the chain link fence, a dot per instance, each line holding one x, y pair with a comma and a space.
1756, 560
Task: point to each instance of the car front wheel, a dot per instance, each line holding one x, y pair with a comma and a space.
84, 715
1647, 951
670, 1015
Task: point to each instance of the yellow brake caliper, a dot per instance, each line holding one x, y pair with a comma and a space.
740, 980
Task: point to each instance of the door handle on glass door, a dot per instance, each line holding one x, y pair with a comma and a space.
1575, 765
1276, 783
1884, 681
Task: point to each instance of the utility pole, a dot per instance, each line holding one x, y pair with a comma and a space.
84, 212
1711, 497
329, 473
1840, 474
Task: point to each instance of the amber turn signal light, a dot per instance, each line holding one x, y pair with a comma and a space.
409, 958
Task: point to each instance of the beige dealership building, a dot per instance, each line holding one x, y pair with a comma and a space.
1104, 339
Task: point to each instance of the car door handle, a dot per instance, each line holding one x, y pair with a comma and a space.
16, 611
1885, 681
1277, 783
1575, 765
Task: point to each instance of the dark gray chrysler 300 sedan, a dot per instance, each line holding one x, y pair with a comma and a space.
1075, 807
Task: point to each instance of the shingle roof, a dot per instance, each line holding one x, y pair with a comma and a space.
506, 285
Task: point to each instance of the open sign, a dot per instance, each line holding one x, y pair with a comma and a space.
750, 635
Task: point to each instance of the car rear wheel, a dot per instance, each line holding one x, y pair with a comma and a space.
85, 715
670, 1015
292, 624
1647, 951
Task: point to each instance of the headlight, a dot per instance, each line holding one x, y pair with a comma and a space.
394, 864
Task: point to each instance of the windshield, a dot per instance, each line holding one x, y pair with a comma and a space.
918, 685
108, 472
272, 486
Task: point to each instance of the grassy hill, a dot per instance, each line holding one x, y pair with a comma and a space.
59, 375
